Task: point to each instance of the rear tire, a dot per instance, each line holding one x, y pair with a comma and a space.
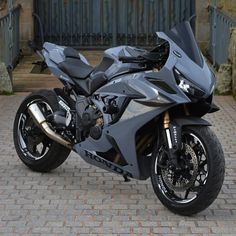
212, 183
26, 135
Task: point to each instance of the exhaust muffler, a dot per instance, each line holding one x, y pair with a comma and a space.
40, 120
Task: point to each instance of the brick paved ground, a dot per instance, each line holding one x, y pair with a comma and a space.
78, 199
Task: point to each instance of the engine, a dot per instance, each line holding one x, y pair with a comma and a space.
89, 119
76, 121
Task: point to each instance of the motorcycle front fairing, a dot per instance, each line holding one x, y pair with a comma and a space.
187, 58
150, 94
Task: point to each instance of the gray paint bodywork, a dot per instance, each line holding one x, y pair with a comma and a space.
147, 101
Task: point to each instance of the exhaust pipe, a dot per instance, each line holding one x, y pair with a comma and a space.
40, 120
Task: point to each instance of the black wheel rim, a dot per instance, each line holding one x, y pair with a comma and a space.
198, 176
33, 143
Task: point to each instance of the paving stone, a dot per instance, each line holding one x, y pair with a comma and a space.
78, 199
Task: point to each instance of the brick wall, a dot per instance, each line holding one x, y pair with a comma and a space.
202, 25
26, 23
229, 6
3, 7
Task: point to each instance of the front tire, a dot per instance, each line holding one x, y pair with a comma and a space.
33, 147
204, 176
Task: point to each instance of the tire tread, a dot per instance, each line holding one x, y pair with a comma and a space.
215, 178
57, 153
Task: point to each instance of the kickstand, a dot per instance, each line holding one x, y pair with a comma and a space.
126, 179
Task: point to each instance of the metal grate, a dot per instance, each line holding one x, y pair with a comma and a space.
10, 37
220, 24
103, 23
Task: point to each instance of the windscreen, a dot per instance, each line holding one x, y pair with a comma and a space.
183, 36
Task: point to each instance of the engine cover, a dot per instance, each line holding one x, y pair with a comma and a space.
89, 119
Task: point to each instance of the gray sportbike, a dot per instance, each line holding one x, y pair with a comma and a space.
138, 114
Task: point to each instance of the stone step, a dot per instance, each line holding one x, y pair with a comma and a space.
33, 86
25, 81
39, 82
33, 76
19, 89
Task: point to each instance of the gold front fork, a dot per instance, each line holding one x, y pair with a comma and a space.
166, 122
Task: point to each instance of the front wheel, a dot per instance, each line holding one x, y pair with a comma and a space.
194, 186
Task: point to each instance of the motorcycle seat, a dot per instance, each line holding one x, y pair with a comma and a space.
74, 66
71, 52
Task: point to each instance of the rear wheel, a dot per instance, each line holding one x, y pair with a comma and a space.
33, 147
194, 186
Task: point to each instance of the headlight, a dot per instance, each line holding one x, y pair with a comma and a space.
186, 86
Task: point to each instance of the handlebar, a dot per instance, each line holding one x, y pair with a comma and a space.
127, 59
155, 56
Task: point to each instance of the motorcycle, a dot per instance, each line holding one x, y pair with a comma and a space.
138, 114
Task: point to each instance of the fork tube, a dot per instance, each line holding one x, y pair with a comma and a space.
166, 125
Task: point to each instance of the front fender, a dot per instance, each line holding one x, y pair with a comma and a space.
190, 120
176, 126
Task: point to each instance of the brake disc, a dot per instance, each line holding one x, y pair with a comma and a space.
180, 183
